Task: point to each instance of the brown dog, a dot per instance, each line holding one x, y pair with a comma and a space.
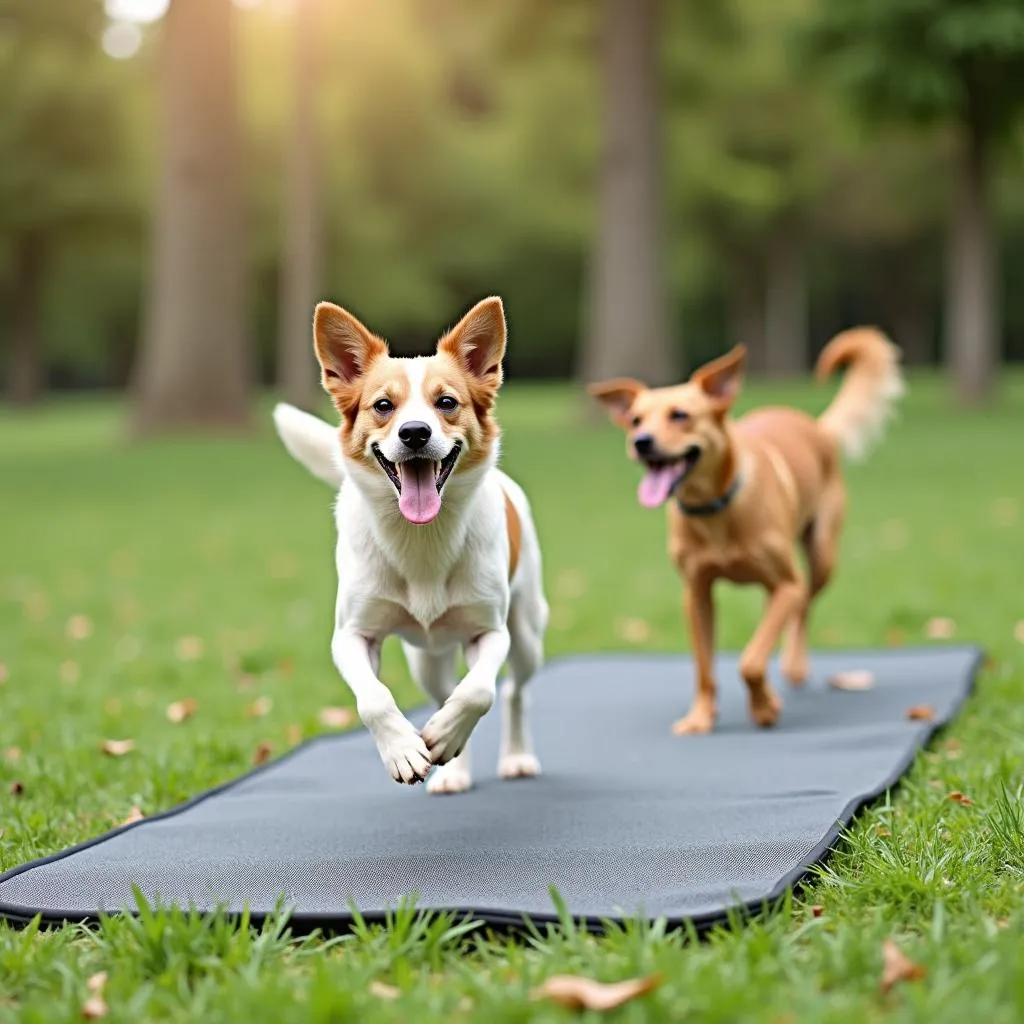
742, 494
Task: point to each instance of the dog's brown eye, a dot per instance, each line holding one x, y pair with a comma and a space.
447, 404
383, 406
637, 420
678, 415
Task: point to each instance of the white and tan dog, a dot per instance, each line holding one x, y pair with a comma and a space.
435, 544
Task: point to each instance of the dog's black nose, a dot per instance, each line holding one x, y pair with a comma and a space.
414, 435
644, 444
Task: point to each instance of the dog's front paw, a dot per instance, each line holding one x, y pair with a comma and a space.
449, 730
518, 766
766, 708
404, 753
699, 721
453, 777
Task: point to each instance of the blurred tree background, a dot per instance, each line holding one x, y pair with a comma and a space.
645, 184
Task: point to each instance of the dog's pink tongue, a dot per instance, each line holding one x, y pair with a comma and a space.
656, 486
419, 501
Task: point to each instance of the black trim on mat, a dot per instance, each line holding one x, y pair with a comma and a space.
505, 919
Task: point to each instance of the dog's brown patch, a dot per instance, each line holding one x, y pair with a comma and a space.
514, 526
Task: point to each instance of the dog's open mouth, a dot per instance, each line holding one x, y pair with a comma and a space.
663, 476
419, 483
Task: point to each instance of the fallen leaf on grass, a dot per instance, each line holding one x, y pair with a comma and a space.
383, 991
262, 754
897, 966
117, 748
94, 1007
959, 798
586, 994
134, 815
98, 982
4, 673
921, 713
853, 681
79, 627
1018, 632
12, 754
182, 709
895, 637
817, 910
882, 831
940, 628
336, 718
293, 735
189, 648
16, 788
633, 631
259, 708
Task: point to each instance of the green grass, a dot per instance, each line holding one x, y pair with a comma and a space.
230, 543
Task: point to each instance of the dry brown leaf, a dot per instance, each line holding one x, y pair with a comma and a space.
1002, 922
897, 966
259, 708
98, 982
921, 713
16, 788
817, 910
633, 631
182, 709
94, 1007
940, 628
79, 627
586, 994
383, 991
189, 648
134, 815
4, 673
70, 672
262, 754
117, 748
12, 754
336, 718
1018, 631
854, 680
293, 734
959, 798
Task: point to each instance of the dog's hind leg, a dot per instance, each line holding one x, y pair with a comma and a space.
517, 759
820, 544
434, 673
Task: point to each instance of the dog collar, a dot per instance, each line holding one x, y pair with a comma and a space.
712, 507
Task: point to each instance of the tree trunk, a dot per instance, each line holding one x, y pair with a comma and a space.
785, 306
746, 311
25, 365
628, 331
193, 368
972, 333
300, 274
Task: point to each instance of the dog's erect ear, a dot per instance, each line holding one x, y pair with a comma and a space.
477, 342
344, 347
617, 396
722, 378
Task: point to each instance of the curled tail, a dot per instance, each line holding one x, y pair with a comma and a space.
311, 442
873, 383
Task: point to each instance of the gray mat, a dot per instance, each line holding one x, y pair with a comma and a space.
626, 820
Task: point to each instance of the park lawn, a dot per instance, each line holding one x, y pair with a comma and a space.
132, 577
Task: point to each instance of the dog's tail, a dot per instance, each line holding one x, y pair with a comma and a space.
311, 441
859, 413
